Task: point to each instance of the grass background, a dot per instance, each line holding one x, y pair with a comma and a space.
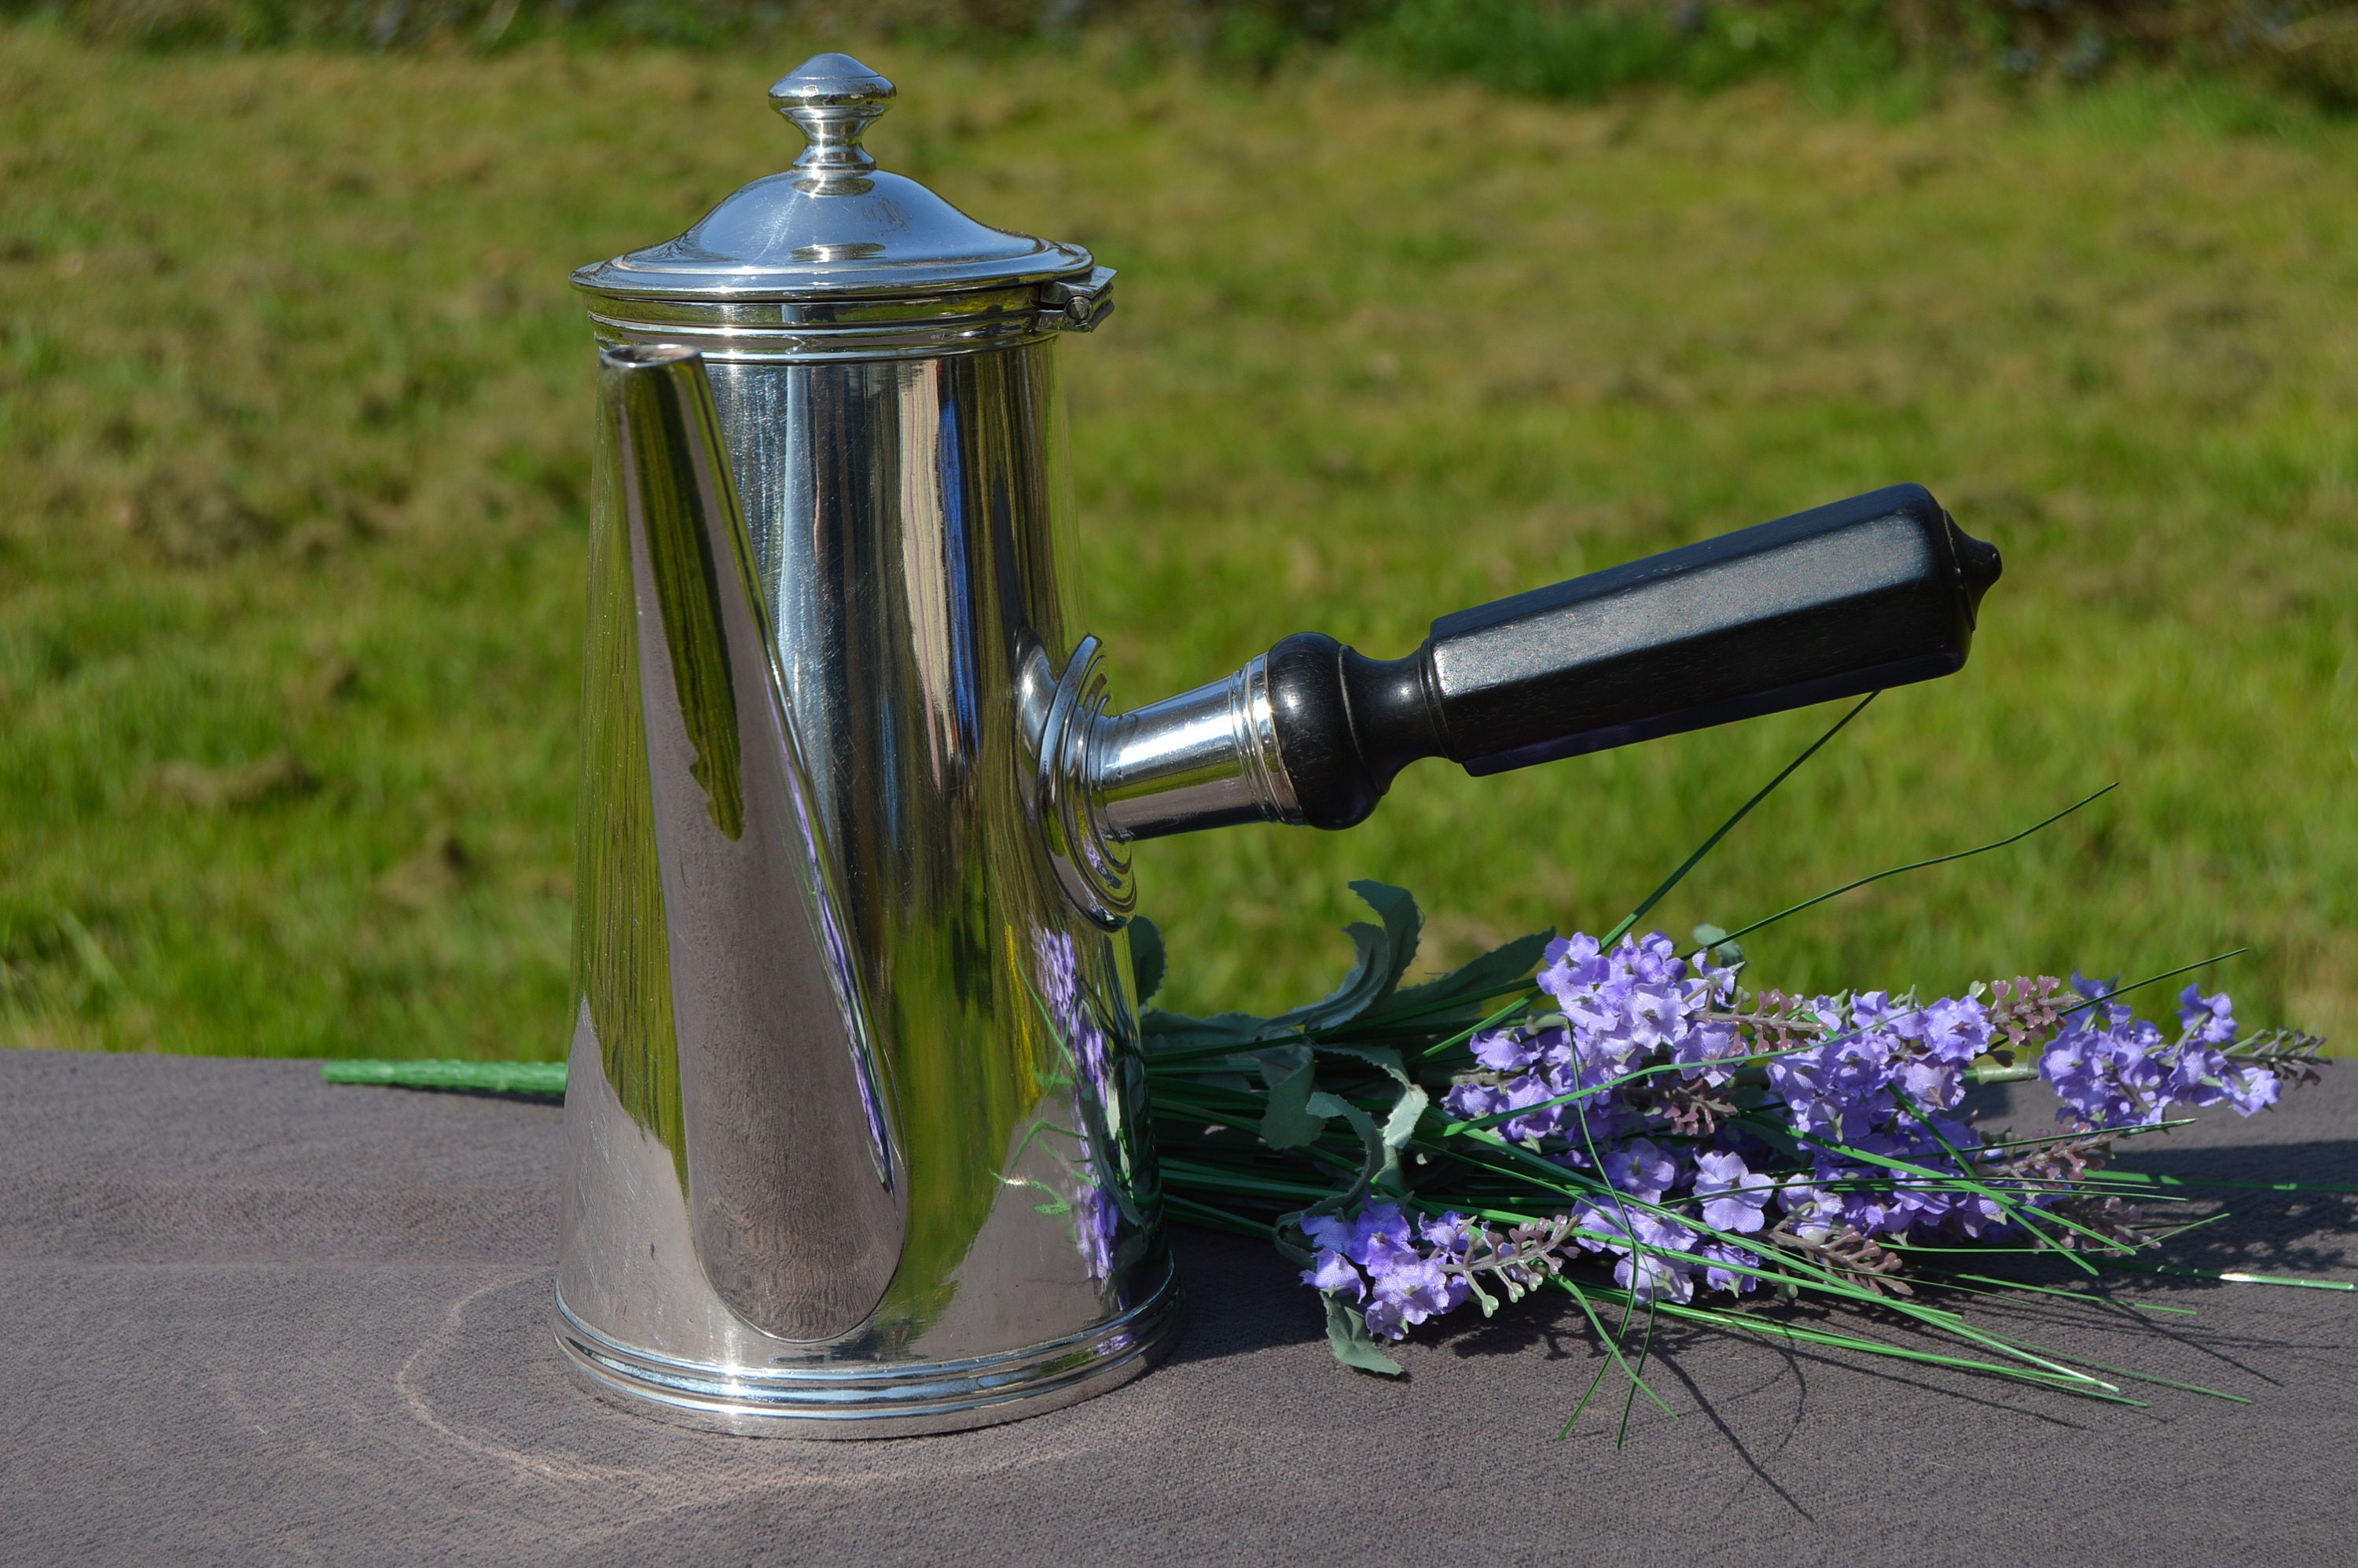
294, 409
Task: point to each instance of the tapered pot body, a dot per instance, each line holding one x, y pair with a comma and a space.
855, 1126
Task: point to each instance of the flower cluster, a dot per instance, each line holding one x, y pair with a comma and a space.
2113, 1069
1715, 1129
1397, 1270
1640, 1004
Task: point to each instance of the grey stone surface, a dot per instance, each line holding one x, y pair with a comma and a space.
251, 1319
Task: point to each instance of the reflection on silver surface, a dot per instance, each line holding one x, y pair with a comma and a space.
878, 1397
910, 1100
778, 1114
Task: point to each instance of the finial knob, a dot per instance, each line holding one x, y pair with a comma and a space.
833, 99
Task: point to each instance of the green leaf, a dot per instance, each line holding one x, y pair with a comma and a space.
1398, 1127
1175, 1030
1494, 972
1385, 954
1381, 1058
1380, 1167
1347, 1000
1407, 1111
1147, 956
1374, 1160
1325, 1104
1291, 1075
1347, 1332
1713, 941
1402, 923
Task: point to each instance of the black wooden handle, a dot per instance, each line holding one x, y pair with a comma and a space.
1875, 592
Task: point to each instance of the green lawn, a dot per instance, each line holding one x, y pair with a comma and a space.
294, 409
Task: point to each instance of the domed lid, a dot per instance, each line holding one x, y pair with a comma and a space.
834, 225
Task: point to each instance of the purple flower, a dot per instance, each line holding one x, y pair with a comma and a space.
1732, 1196
1648, 1275
1640, 1241
2253, 1089
2092, 990
1335, 1275
1955, 1030
1505, 1051
1724, 1279
1570, 964
1532, 1090
1450, 1236
1872, 1010
2209, 1019
1377, 1239
1703, 1048
1641, 1170
1404, 1270
1880, 1080
1928, 1082
1410, 1293
2112, 1069
1473, 1101
1651, 1276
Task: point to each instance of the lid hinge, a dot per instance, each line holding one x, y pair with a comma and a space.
1076, 305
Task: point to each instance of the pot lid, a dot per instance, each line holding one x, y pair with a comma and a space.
834, 224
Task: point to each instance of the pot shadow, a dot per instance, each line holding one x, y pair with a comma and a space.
1241, 1297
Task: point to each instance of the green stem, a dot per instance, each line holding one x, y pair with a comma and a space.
1918, 866
1675, 878
481, 1077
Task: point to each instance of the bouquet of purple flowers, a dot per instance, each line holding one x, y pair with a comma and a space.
1638, 1129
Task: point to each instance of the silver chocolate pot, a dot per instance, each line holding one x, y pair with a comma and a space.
855, 1135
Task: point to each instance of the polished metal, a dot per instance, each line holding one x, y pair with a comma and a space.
835, 228
917, 1196
1206, 758
713, 958
855, 1126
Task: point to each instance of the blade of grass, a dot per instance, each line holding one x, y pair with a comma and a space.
1463, 1036
1638, 1381
2231, 1276
2068, 1295
1742, 1322
1193, 1212
2154, 980
1612, 1348
1638, 914
1920, 865
2203, 1183
2138, 1377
